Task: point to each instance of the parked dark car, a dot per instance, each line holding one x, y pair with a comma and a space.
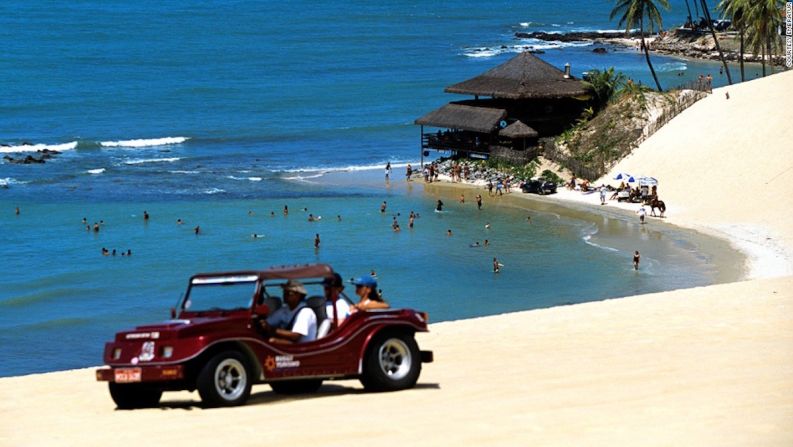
539, 185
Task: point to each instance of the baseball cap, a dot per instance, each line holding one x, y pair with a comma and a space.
333, 281
367, 281
294, 286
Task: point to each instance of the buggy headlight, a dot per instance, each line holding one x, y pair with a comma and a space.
116, 353
167, 351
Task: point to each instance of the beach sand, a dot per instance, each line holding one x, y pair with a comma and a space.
704, 366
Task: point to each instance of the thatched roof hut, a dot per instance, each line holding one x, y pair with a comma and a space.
518, 130
458, 116
525, 76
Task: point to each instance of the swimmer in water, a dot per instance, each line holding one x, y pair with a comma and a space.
439, 206
475, 245
197, 230
496, 266
286, 210
487, 226
487, 242
383, 206
449, 232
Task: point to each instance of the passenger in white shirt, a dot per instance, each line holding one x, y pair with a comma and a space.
333, 289
293, 323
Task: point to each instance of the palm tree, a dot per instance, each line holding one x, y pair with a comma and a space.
634, 13
688, 7
715, 39
735, 10
603, 85
762, 19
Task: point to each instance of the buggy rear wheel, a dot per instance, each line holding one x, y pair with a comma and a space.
393, 362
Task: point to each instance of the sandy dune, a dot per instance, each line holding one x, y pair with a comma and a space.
706, 366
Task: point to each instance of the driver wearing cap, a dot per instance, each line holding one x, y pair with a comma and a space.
293, 323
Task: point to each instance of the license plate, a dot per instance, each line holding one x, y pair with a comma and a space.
126, 375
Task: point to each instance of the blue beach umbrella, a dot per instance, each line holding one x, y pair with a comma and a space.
621, 176
631, 179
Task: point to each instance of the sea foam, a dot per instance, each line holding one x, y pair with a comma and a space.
144, 142
138, 161
95, 171
38, 147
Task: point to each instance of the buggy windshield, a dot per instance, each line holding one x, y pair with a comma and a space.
220, 293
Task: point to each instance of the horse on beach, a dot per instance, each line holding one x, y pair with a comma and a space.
657, 204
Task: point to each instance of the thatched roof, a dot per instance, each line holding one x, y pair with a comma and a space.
523, 76
518, 130
458, 116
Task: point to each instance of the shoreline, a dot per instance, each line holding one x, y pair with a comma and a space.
762, 259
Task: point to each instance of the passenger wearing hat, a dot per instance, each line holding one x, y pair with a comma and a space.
293, 323
337, 308
366, 289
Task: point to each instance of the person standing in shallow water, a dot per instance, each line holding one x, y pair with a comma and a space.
636, 258
145, 216
496, 266
316, 241
383, 206
286, 210
479, 201
439, 206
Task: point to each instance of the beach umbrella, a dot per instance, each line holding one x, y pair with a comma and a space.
621, 176
648, 181
631, 179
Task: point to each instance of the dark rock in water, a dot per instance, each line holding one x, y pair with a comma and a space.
575, 36
49, 151
536, 51
599, 50
28, 160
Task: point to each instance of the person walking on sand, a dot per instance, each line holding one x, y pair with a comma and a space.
490, 188
642, 212
408, 172
636, 258
602, 194
479, 201
388, 171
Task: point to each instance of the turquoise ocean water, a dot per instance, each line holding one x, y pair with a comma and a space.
206, 112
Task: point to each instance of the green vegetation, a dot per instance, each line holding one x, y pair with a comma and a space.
552, 177
637, 14
603, 85
758, 20
521, 171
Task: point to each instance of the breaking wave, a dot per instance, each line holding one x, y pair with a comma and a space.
27, 147
95, 171
138, 161
144, 142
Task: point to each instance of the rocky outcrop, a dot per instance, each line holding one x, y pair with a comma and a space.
575, 36
46, 154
